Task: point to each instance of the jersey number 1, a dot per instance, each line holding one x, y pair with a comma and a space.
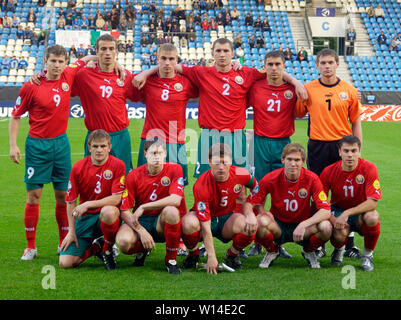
329, 104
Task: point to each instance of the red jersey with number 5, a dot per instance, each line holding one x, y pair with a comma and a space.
222, 95
351, 188
291, 201
92, 182
48, 104
215, 199
142, 187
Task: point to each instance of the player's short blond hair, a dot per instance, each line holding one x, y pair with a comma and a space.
293, 147
97, 135
166, 47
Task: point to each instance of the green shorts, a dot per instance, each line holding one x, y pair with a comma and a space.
235, 140
352, 220
47, 160
265, 155
217, 225
87, 229
149, 222
120, 147
287, 230
176, 153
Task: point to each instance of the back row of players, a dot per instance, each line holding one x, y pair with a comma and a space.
155, 189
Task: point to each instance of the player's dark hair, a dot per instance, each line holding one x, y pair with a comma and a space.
156, 141
275, 54
56, 50
97, 135
327, 52
223, 41
350, 139
105, 37
220, 150
292, 148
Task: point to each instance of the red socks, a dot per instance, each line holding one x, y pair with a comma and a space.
267, 242
191, 242
172, 233
314, 243
338, 245
240, 241
370, 235
109, 232
62, 221
31, 221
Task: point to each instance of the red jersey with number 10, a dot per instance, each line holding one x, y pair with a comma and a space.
351, 188
48, 104
142, 187
291, 201
92, 182
222, 95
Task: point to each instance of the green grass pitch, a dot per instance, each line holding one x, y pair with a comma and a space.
286, 279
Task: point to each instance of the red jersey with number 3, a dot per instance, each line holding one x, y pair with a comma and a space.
104, 97
92, 182
351, 188
273, 109
215, 199
166, 101
142, 187
222, 95
291, 201
48, 104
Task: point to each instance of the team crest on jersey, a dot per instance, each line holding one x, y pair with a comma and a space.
201, 206
65, 86
360, 179
288, 94
239, 80
108, 174
120, 83
165, 181
302, 193
178, 87
376, 184
180, 181
343, 95
237, 188
125, 193
322, 196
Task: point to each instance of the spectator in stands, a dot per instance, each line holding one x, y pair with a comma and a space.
23, 64
191, 34
213, 24
1, 24
28, 34
210, 4
153, 58
14, 21
33, 40
107, 26
100, 22
260, 2
197, 19
288, 55
260, 43
91, 50
235, 14
220, 19
183, 42
137, 8
129, 11
81, 50
41, 37
371, 11
129, 47
130, 24
381, 39
257, 24
227, 20
7, 21
144, 41
20, 32
266, 25
31, 16
91, 22
195, 5
123, 26
252, 41
240, 54
11, 6
5, 64
76, 23
14, 63
302, 55
152, 39
115, 19
248, 20
205, 25
351, 36
41, 3
145, 28
202, 4
71, 4
121, 46
237, 41
61, 22
395, 42
379, 12
84, 22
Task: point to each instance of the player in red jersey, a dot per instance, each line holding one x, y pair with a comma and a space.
98, 180
290, 216
47, 147
155, 192
215, 193
166, 95
103, 95
273, 101
355, 190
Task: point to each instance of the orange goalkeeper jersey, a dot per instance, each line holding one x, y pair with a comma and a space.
330, 108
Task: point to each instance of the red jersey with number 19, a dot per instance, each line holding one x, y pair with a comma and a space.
166, 101
48, 104
215, 199
142, 187
104, 98
92, 182
222, 95
351, 188
273, 109
290, 201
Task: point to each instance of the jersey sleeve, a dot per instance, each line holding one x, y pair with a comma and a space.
132, 92
73, 187
201, 203
255, 74
24, 100
372, 184
192, 73
192, 91
325, 179
259, 193
128, 198
318, 195
355, 108
75, 91
300, 109
119, 180
177, 184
